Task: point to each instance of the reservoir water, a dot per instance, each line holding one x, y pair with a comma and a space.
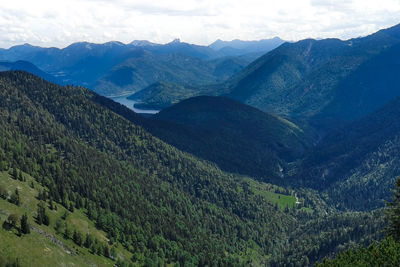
130, 104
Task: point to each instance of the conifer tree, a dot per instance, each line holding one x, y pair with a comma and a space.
42, 217
25, 228
393, 213
20, 177
14, 173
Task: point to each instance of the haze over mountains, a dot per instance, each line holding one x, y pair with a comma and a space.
280, 161
324, 82
115, 68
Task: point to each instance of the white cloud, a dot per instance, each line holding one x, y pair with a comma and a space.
59, 23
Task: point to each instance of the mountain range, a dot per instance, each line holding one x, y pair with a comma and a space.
279, 162
239, 47
325, 82
146, 200
115, 68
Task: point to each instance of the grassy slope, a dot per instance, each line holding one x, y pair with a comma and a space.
270, 193
41, 250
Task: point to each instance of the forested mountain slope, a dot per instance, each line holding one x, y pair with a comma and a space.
237, 137
160, 95
163, 94
384, 253
357, 164
142, 68
159, 203
29, 67
326, 82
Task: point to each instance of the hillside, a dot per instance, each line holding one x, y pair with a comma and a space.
164, 94
143, 68
161, 95
386, 252
357, 164
29, 67
153, 203
52, 245
237, 137
162, 205
326, 82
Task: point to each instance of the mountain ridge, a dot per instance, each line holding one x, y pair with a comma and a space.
94, 65
298, 80
237, 137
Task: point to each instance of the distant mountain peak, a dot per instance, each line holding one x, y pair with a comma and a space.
142, 43
176, 41
112, 43
264, 45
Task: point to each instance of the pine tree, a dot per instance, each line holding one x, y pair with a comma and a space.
20, 177
51, 206
77, 238
58, 226
14, 173
42, 217
393, 213
88, 240
106, 251
71, 207
67, 231
25, 228
46, 220
113, 252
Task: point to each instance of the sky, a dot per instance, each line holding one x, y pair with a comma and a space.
62, 22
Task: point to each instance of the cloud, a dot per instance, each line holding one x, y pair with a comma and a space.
59, 23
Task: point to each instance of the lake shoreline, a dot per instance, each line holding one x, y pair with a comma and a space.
131, 105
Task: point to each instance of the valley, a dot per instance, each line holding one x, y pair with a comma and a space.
239, 153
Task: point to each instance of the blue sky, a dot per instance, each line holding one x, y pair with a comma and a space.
60, 23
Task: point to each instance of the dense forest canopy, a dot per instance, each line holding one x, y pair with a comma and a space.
159, 203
